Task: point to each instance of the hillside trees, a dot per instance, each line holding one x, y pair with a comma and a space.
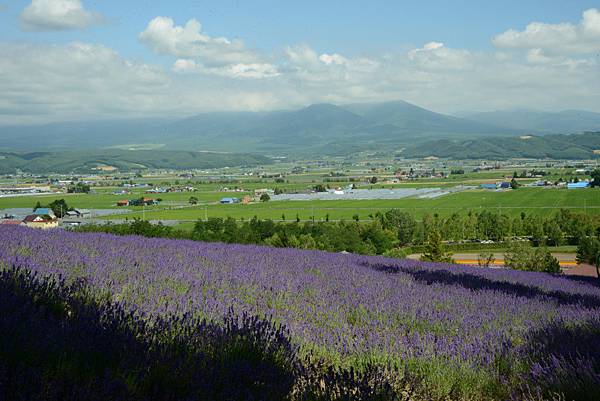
588, 251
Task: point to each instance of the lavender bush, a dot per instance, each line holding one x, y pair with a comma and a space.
57, 343
463, 330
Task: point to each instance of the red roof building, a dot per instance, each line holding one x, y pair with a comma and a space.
10, 222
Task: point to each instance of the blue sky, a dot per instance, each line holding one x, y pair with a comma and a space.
352, 27
274, 54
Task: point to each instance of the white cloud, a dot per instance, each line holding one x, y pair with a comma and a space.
53, 82
42, 83
302, 55
433, 46
188, 41
253, 71
536, 56
333, 59
184, 65
435, 56
556, 38
56, 15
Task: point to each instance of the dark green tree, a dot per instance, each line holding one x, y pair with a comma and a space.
554, 234
403, 223
435, 250
521, 256
595, 178
79, 188
59, 207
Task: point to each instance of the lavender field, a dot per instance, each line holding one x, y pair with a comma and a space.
464, 330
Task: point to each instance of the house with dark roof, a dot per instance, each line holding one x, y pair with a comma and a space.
79, 213
40, 221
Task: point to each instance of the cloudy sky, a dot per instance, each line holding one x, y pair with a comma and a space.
84, 59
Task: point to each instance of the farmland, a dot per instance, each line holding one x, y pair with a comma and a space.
175, 205
529, 200
466, 332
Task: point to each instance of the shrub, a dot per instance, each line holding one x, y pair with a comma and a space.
485, 259
522, 257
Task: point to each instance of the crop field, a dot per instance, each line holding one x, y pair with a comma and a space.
175, 206
484, 333
529, 200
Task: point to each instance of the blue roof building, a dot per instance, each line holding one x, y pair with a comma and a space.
230, 200
43, 211
488, 186
576, 185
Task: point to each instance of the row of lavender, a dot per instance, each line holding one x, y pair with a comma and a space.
446, 321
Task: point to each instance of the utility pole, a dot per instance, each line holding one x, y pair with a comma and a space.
143, 210
205, 212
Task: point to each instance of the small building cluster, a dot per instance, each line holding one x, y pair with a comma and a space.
41, 217
138, 202
18, 190
496, 185
162, 190
229, 200
259, 192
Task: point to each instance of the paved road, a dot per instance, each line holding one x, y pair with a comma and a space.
567, 262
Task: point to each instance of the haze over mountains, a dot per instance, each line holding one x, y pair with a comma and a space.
313, 130
319, 127
567, 121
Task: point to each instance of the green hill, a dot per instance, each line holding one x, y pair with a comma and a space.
122, 160
577, 146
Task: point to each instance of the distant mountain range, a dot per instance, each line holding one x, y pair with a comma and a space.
563, 122
314, 130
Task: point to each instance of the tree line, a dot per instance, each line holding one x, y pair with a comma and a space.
395, 233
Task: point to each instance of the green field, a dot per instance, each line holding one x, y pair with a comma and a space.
210, 189
529, 200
